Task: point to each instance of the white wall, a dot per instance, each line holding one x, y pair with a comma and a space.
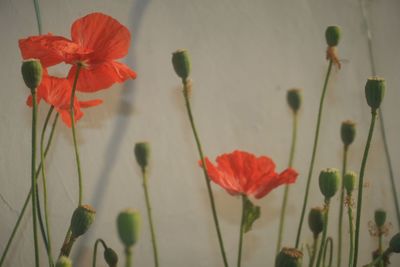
245, 55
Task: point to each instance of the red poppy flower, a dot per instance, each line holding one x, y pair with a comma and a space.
243, 173
97, 40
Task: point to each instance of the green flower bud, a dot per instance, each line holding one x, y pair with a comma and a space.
128, 223
32, 73
111, 257
316, 220
294, 99
348, 132
332, 35
349, 181
142, 153
329, 182
375, 91
380, 217
394, 244
289, 257
181, 63
63, 262
81, 220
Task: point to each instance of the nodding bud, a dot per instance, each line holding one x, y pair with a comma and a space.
142, 154
81, 220
111, 257
289, 257
128, 223
32, 73
329, 182
380, 217
63, 262
316, 220
181, 63
332, 35
375, 91
294, 99
348, 132
349, 182
394, 244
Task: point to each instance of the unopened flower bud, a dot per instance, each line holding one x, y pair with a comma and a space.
394, 244
375, 91
111, 257
63, 262
32, 73
128, 223
294, 99
380, 217
349, 181
316, 220
81, 220
181, 63
142, 154
332, 35
329, 182
348, 132
289, 257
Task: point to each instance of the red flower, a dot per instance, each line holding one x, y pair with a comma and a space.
97, 40
243, 173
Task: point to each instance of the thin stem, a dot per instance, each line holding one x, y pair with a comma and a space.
380, 249
150, 217
29, 195
203, 163
40, 217
329, 241
286, 193
314, 251
351, 229
321, 105
128, 257
95, 250
239, 261
38, 18
341, 204
378, 259
323, 240
360, 186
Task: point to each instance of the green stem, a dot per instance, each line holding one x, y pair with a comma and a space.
40, 217
128, 257
323, 240
341, 204
380, 249
95, 249
28, 197
150, 217
38, 18
321, 105
314, 251
329, 241
351, 230
360, 187
239, 261
286, 193
378, 259
203, 163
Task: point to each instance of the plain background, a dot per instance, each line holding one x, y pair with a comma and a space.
245, 55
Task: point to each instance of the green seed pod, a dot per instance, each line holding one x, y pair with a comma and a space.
63, 262
375, 91
316, 220
289, 257
32, 73
111, 257
380, 217
349, 181
128, 223
81, 220
329, 182
142, 154
181, 63
348, 132
394, 244
294, 99
332, 35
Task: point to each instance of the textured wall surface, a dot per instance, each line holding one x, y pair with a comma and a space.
245, 55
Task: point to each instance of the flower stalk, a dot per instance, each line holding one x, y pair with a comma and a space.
241, 231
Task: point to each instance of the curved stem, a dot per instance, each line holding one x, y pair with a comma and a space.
286, 193
203, 163
128, 257
99, 240
314, 251
351, 230
341, 205
40, 216
321, 105
239, 261
361, 185
329, 241
323, 240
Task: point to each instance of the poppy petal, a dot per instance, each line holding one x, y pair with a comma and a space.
288, 176
90, 103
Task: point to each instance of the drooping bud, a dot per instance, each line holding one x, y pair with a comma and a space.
294, 99
128, 223
142, 154
289, 257
316, 220
32, 73
181, 63
81, 220
348, 132
380, 217
394, 244
329, 182
375, 91
349, 181
332, 35
111, 257
63, 262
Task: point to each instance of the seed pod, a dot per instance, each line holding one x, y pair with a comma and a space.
332, 35
394, 244
63, 262
348, 132
294, 99
380, 217
289, 257
181, 63
316, 220
375, 91
111, 257
128, 223
32, 73
81, 220
142, 154
329, 182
